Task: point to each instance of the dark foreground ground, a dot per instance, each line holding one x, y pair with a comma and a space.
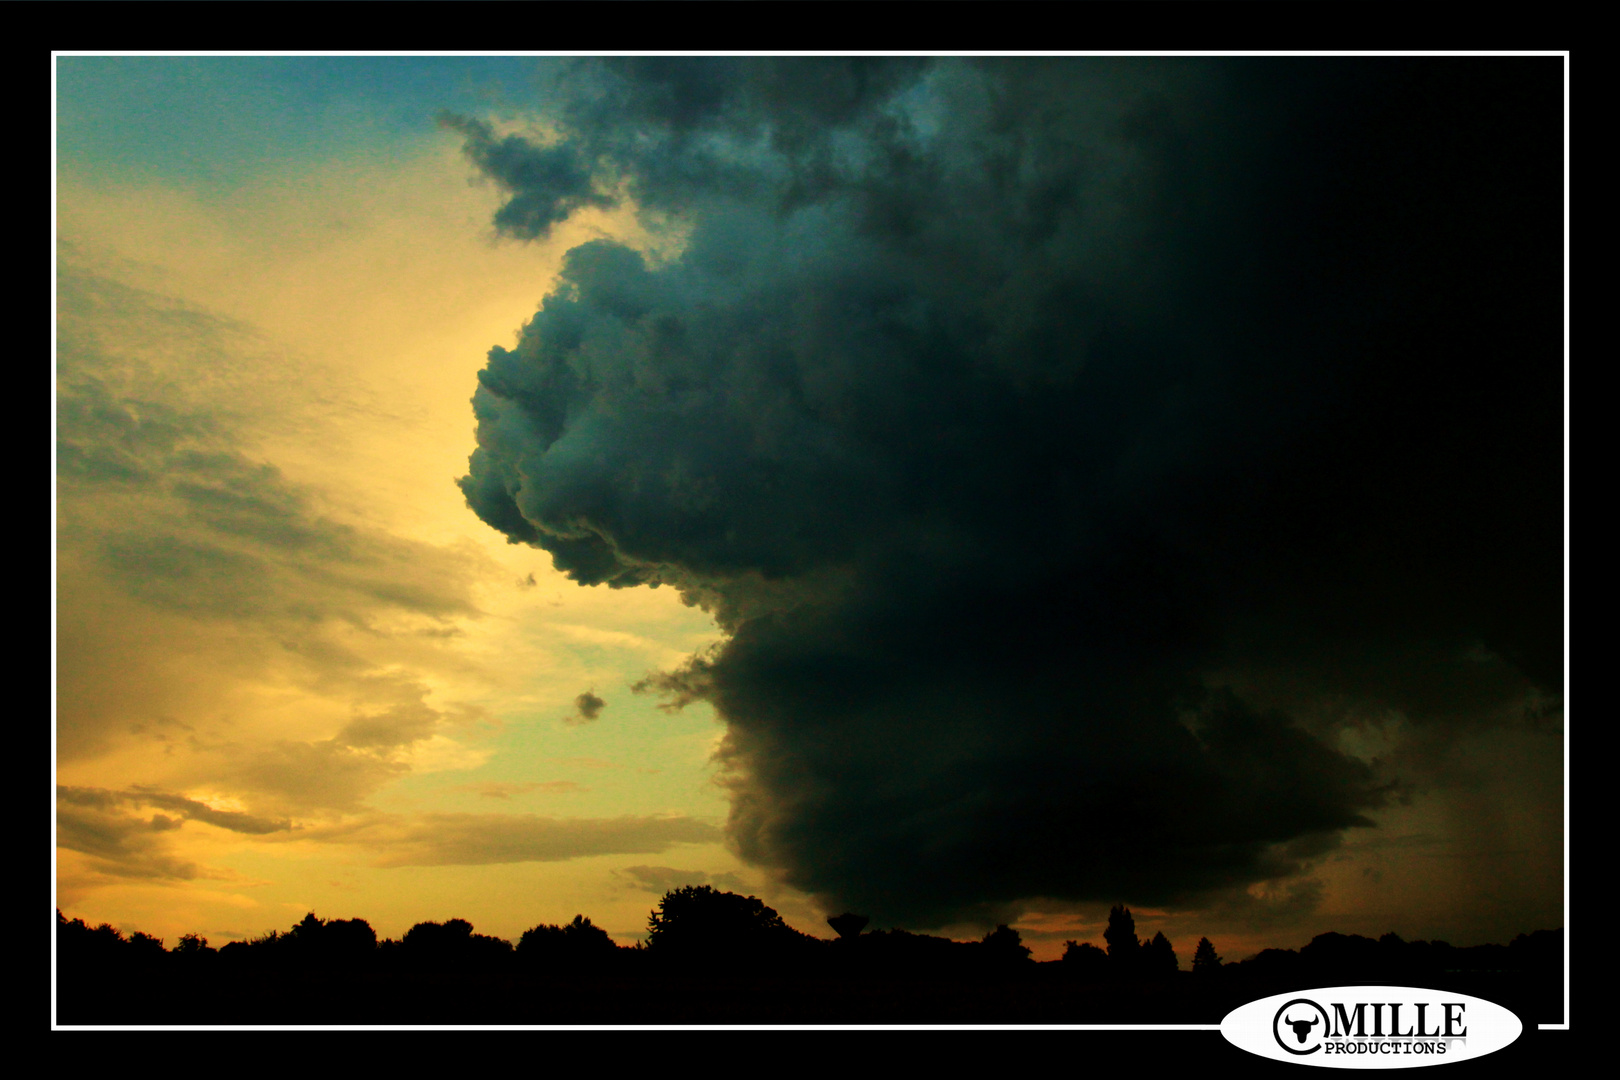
417, 999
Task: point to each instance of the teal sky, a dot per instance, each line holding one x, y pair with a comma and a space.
222, 120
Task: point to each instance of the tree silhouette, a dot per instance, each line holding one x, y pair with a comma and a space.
428, 938
78, 942
897, 952
1083, 960
349, 940
348, 943
1124, 951
193, 951
145, 944
1204, 958
572, 947
451, 974
698, 926
191, 945
1004, 947
1351, 957
1158, 957
452, 944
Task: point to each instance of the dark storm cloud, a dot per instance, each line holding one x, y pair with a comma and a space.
1070, 448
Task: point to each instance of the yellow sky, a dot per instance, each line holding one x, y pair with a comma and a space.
329, 323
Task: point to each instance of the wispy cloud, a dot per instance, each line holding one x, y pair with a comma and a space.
475, 839
661, 879
104, 824
504, 791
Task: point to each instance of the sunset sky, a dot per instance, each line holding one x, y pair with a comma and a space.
980, 490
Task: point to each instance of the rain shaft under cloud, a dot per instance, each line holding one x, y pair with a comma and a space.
1072, 450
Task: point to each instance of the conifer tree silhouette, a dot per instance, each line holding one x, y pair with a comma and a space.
1204, 958
1158, 957
1124, 951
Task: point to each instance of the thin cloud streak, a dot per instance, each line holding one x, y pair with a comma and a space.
446, 839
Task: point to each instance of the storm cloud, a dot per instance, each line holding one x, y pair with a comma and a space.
1075, 452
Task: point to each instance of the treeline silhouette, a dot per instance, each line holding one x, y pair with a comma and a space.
718, 957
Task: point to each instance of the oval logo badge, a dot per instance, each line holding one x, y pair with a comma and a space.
1371, 1027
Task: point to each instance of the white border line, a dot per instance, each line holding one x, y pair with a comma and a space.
55, 54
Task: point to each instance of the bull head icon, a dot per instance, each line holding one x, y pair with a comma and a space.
1302, 1028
